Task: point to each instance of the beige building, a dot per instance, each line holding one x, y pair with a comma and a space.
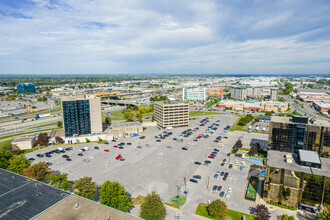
82, 115
126, 129
24, 142
171, 113
274, 93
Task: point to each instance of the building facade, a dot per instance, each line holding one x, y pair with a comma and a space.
244, 92
81, 115
292, 134
250, 105
274, 94
26, 87
171, 113
212, 90
323, 108
194, 94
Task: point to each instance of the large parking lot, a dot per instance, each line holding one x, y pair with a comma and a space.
159, 167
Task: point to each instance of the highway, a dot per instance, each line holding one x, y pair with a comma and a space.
302, 111
24, 130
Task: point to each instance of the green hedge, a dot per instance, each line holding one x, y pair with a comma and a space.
245, 120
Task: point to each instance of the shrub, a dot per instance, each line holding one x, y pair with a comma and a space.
291, 218
285, 217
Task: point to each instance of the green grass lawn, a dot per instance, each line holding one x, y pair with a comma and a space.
198, 113
234, 215
251, 191
5, 143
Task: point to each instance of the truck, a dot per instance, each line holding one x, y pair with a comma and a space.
42, 116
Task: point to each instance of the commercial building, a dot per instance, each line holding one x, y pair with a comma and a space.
323, 108
244, 92
171, 113
313, 96
26, 87
212, 90
288, 134
194, 94
274, 94
251, 105
24, 142
126, 129
81, 115
300, 180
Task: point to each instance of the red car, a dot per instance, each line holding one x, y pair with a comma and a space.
106, 150
115, 146
215, 141
212, 157
200, 136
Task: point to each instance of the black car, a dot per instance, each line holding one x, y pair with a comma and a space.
31, 159
80, 154
158, 140
142, 137
65, 156
198, 163
219, 188
215, 187
197, 176
96, 148
225, 178
106, 142
62, 151
40, 155
193, 181
68, 159
230, 166
175, 139
114, 141
121, 147
224, 160
216, 150
48, 155
57, 151
49, 163
129, 143
226, 174
222, 194
222, 173
207, 161
184, 148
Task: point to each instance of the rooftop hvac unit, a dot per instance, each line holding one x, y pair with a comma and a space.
288, 157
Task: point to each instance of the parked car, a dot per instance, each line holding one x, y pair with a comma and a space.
80, 154
139, 147
197, 176
96, 148
68, 159
219, 188
193, 181
212, 157
217, 150
115, 146
222, 194
198, 163
106, 150
215, 187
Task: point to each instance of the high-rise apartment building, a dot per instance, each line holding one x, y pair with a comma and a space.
274, 94
81, 115
26, 87
298, 133
244, 92
171, 113
194, 94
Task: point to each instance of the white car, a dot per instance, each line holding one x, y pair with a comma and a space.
227, 195
243, 163
229, 190
236, 161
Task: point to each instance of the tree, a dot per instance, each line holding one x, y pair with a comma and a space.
60, 180
140, 119
152, 207
85, 187
5, 156
42, 139
235, 149
39, 171
268, 113
113, 194
59, 140
281, 99
262, 212
59, 124
291, 217
44, 98
253, 150
285, 217
18, 163
217, 208
87, 140
153, 118
238, 143
107, 120
325, 215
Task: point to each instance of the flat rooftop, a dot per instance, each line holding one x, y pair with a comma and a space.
126, 124
23, 138
276, 159
317, 122
163, 103
309, 156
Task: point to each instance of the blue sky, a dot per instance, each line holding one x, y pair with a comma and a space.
181, 36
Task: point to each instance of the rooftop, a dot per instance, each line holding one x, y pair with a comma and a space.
24, 138
126, 124
322, 104
318, 122
163, 103
276, 159
309, 156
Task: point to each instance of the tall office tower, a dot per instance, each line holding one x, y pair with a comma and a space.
171, 113
81, 115
298, 133
274, 93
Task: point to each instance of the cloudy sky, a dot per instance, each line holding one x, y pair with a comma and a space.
165, 36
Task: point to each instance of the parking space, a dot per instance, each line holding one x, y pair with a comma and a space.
153, 166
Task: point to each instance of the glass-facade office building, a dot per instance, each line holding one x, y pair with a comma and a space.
26, 87
292, 134
76, 115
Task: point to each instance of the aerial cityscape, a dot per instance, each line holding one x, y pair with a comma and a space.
164, 110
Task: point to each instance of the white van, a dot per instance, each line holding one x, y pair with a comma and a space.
243, 156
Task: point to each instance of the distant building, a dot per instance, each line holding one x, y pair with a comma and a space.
324, 108
299, 133
81, 115
26, 87
24, 142
126, 129
212, 90
244, 92
171, 113
274, 93
195, 94
251, 105
313, 96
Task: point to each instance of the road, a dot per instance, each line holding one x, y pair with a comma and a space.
302, 111
24, 130
31, 115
